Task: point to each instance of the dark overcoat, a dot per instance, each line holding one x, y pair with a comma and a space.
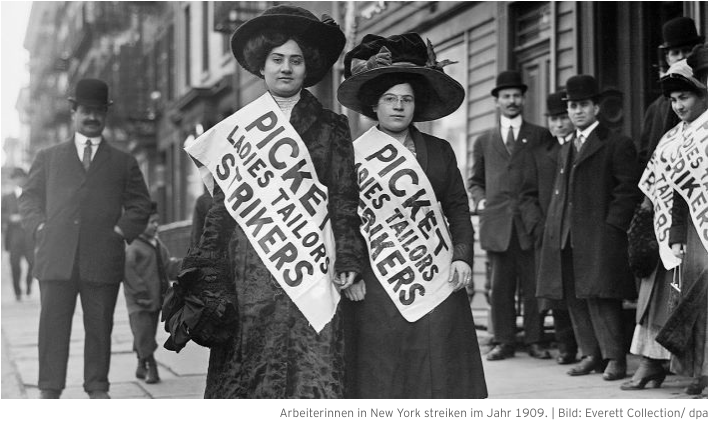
539, 177
602, 195
497, 177
443, 358
79, 210
277, 353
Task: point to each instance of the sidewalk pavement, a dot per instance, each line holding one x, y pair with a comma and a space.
183, 374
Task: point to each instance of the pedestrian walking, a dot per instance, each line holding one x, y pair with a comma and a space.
83, 200
16, 240
412, 334
496, 178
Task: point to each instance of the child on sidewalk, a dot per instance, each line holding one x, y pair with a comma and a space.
148, 270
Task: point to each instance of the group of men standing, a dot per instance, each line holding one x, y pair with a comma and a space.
554, 207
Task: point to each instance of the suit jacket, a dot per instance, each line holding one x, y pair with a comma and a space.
79, 210
603, 193
539, 179
497, 177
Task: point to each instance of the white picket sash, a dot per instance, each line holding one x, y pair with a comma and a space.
408, 241
689, 173
272, 191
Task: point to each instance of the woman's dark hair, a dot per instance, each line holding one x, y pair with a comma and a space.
259, 46
371, 91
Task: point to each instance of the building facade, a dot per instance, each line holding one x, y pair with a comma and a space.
172, 74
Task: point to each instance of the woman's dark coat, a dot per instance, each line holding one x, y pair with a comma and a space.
276, 353
437, 356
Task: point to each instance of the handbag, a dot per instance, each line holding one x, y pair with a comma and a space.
202, 305
642, 246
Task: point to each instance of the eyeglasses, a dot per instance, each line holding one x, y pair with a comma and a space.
393, 100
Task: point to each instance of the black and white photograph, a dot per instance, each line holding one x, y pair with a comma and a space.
409, 210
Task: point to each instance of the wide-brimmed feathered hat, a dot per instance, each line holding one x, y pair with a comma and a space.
680, 78
324, 35
402, 54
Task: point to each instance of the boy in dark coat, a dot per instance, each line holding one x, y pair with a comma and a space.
149, 268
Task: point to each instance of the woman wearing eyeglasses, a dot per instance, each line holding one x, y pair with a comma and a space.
412, 333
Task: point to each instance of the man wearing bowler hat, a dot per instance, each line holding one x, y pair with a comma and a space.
83, 200
679, 38
584, 249
499, 157
537, 190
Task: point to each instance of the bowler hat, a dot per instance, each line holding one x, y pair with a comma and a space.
680, 32
323, 35
400, 54
508, 79
555, 104
91, 92
581, 87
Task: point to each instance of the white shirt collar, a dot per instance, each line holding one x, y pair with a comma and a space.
80, 140
587, 131
568, 137
506, 122
80, 144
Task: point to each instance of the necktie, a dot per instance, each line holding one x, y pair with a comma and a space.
510, 140
578, 142
86, 159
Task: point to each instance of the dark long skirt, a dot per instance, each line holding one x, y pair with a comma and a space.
693, 361
276, 354
389, 357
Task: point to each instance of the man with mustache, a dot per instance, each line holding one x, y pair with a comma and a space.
83, 201
495, 182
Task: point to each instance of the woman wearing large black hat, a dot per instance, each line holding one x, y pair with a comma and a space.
277, 353
397, 348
